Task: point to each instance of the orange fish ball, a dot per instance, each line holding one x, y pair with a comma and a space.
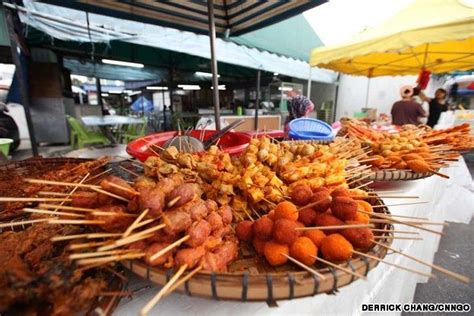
284, 231
361, 218
327, 219
336, 248
243, 230
307, 216
286, 210
316, 236
301, 194
322, 198
262, 228
340, 191
359, 237
304, 250
274, 251
365, 206
271, 215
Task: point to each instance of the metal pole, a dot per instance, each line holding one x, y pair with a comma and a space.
215, 82
15, 49
309, 83
257, 100
367, 93
98, 88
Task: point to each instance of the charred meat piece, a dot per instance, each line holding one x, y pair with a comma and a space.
185, 192
226, 214
165, 259
115, 222
198, 233
85, 199
152, 199
215, 220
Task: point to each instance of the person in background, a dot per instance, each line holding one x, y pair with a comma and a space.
298, 106
437, 105
407, 111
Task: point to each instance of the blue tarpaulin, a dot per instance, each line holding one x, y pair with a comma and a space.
142, 105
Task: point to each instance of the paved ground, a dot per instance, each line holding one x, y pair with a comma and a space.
456, 253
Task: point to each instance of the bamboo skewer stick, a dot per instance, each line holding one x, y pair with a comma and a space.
363, 185
173, 201
50, 193
112, 258
132, 238
135, 223
452, 274
129, 171
88, 236
118, 197
33, 221
429, 275
177, 243
123, 188
336, 227
39, 211
31, 199
145, 222
397, 237
377, 230
69, 208
302, 265
164, 290
359, 179
75, 222
98, 254
99, 175
405, 223
399, 204
391, 219
183, 279
411, 217
85, 245
329, 263
59, 183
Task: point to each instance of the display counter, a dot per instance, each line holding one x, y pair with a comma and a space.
449, 200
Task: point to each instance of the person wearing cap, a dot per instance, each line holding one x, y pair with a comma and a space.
407, 111
437, 105
298, 106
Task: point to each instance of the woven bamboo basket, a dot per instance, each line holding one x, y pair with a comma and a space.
251, 279
397, 175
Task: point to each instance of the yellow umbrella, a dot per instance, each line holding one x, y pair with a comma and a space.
434, 35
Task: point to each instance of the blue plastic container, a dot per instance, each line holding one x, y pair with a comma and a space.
309, 128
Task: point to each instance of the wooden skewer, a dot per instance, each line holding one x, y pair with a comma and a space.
69, 208
112, 258
429, 275
173, 201
302, 265
391, 219
50, 193
183, 279
129, 171
102, 213
98, 254
99, 175
397, 237
164, 290
394, 231
33, 221
59, 183
39, 211
169, 247
442, 175
335, 227
88, 236
31, 199
132, 238
408, 224
368, 159
145, 222
329, 263
454, 275
85, 245
388, 196
359, 179
363, 185
134, 224
412, 217
399, 204
310, 205
75, 222
118, 197
123, 188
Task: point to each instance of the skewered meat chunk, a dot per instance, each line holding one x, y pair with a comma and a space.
301, 194
228, 251
165, 259
118, 186
189, 256
212, 242
197, 209
198, 233
176, 221
344, 208
226, 214
104, 199
221, 232
85, 199
186, 192
244, 230
215, 220
170, 183
211, 205
162, 236
138, 245
144, 182
210, 262
152, 199
117, 221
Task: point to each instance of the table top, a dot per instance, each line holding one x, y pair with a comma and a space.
384, 283
97, 120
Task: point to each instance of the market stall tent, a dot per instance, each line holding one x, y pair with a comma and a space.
433, 35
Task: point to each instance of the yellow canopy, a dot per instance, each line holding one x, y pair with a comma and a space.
436, 35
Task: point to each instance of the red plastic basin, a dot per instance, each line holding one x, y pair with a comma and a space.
233, 142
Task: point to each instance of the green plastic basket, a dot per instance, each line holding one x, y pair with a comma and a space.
5, 145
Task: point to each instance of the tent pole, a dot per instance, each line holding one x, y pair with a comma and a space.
98, 88
15, 38
367, 93
215, 82
309, 82
257, 100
